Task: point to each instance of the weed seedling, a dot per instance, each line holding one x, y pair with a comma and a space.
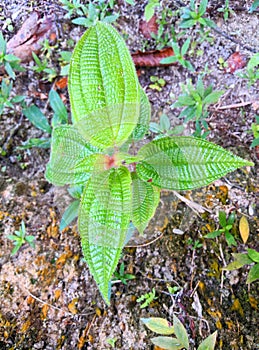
20, 238
157, 83
226, 10
179, 54
38, 119
9, 61
163, 327
255, 131
6, 101
242, 259
163, 128
252, 70
193, 15
196, 100
42, 66
121, 190
148, 298
88, 15
122, 276
227, 225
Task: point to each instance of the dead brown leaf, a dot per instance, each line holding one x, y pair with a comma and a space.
31, 35
149, 27
236, 61
152, 58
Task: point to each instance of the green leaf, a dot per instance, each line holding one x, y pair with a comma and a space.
145, 199
144, 117
34, 142
187, 23
180, 332
222, 218
181, 163
253, 62
60, 116
69, 214
103, 221
2, 44
68, 150
213, 97
158, 325
167, 343
9, 70
103, 77
164, 122
185, 46
202, 7
213, 234
254, 6
230, 239
240, 261
253, 254
169, 60
209, 343
253, 274
37, 118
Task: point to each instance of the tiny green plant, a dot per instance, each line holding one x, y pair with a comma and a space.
197, 100
163, 128
122, 276
20, 238
251, 257
251, 73
227, 226
43, 66
110, 111
193, 15
226, 10
40, 121
179, 54
112, 342
180, 341
88, 15
148, 298
9, 61
255, 131
6, 101
157, 83
65, 57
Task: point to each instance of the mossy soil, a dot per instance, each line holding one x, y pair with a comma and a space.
48, 298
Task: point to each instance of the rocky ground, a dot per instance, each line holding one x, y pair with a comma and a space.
48, 298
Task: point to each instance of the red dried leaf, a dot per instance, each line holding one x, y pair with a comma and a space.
149, 27
31, 35
61, 83
152, 58
236, 61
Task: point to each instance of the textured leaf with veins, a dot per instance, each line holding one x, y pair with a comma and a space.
104, 218
103, 77
145, 199
183, 163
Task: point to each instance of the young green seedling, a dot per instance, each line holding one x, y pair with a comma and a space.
20, 238
227, 225
242, 259
9, 61
193, 15
180, 341
109, 112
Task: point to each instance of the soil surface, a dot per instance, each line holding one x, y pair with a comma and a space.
48, 298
